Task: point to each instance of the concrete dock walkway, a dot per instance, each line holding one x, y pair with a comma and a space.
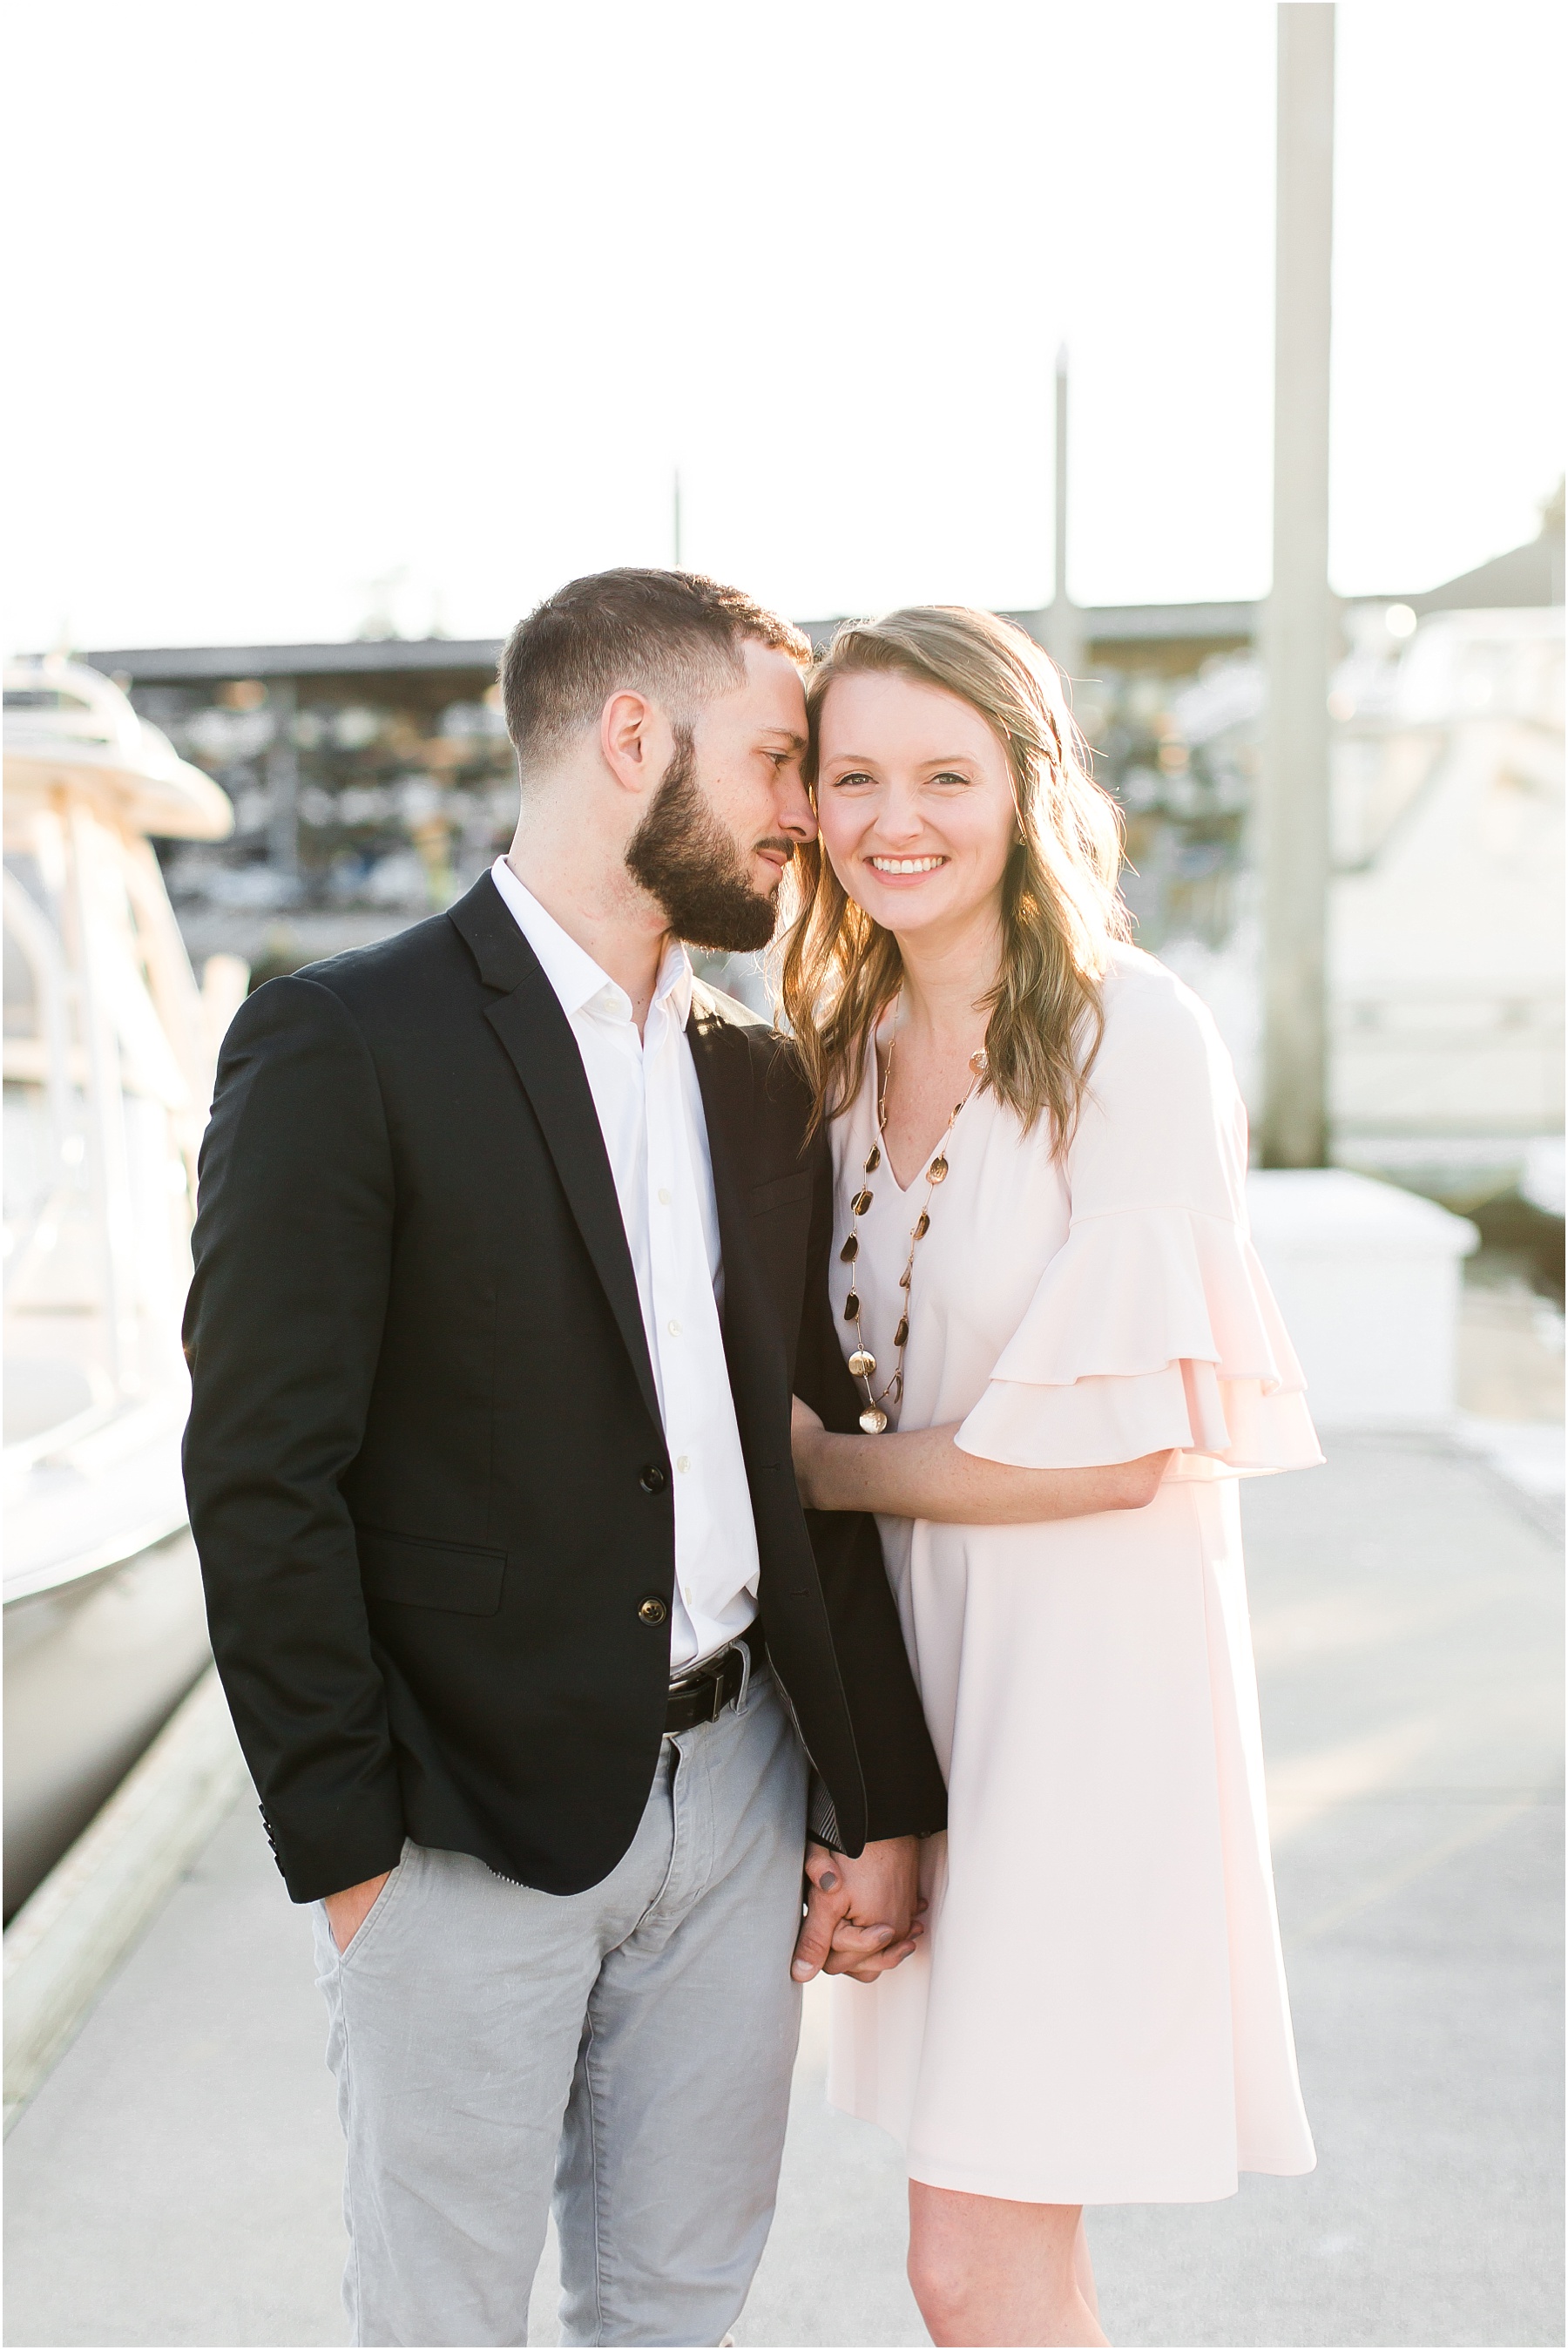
176, 2179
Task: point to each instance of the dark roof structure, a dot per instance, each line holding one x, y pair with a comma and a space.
1166, 635
373, 656
1109, 630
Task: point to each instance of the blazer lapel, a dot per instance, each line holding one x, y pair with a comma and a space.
539, 1042
752, 1341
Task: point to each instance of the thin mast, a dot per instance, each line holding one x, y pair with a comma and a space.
1298, 615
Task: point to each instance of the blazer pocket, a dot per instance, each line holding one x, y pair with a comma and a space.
414, 1572
781, 1192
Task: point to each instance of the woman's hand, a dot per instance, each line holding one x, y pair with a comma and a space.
806, 1432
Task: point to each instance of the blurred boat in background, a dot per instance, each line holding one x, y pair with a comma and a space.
1446, 926
109, 1047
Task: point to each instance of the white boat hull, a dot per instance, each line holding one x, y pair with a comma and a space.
94, 1667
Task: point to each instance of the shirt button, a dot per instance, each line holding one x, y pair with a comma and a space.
673, 1326
665, 1197
652, 1479
652, 1610
684, 1463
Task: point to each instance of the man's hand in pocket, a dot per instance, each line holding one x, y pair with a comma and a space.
347, 1911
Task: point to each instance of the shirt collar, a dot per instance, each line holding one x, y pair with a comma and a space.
673, 986
572, 971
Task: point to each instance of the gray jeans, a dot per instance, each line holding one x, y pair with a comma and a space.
630, 2046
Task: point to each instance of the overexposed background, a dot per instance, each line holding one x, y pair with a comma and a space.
321, 311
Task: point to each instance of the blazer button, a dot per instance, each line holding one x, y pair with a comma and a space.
653, 1479
652, 1610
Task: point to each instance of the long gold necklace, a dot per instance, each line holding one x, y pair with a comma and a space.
863, 1362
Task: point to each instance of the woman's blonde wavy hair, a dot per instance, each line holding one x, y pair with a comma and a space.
838, 970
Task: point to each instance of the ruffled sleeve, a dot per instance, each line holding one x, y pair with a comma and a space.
1153, 1328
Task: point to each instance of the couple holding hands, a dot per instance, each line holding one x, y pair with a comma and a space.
686, 1505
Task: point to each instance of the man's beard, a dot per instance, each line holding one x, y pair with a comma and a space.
682, 856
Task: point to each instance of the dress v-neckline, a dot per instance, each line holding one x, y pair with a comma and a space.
878, 1136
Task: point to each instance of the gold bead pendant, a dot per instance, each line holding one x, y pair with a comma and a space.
863, 1362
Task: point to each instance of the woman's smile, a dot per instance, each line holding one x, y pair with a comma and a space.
903, 868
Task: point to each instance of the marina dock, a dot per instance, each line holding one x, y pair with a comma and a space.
176, 2178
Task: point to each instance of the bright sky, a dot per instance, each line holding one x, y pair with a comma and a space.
320, 292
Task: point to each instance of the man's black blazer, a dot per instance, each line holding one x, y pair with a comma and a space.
425, 1464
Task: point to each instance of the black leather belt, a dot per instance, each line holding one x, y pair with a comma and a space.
702, 1693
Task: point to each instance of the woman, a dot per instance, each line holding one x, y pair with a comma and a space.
1068, 1355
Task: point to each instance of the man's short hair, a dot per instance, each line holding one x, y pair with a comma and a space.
672, 635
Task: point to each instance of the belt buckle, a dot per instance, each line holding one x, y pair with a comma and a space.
709, 1676
714, 1674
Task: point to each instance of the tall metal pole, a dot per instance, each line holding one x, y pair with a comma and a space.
1059, 588
1296, 623
1064, 638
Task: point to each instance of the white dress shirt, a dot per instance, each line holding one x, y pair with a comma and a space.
649, 1109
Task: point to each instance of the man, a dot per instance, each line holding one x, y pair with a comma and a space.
510, 1251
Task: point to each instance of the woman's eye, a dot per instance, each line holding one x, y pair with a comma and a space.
947, 776
855, 777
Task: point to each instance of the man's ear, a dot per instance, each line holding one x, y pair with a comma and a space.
635, 741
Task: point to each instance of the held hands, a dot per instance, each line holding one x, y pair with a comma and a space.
862, 1917
347, 1911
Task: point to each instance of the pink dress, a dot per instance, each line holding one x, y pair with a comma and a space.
1099, 2013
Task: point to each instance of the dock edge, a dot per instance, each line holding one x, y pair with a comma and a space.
71, 1933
